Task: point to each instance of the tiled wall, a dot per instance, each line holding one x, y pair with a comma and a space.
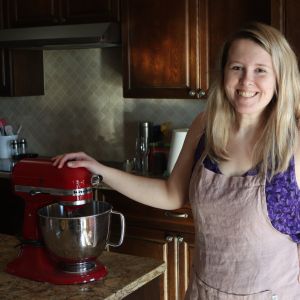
83, 107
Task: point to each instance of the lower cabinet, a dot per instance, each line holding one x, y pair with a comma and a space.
163, 235
12, 209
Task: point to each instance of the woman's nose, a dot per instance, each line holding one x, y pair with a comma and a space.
246, 77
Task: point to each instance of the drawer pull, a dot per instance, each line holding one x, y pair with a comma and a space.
176, 215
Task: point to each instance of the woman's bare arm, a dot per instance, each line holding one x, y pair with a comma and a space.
169, 194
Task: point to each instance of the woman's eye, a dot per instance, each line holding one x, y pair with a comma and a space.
236, 68
259, 70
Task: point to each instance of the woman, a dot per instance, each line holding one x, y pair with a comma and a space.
240, 169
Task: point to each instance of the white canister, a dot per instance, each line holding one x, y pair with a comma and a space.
5, 145
177, 140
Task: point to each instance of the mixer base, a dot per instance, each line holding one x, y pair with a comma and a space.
34, 263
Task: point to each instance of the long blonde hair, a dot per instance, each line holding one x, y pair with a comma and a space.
278, 138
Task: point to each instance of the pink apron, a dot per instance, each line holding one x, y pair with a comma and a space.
238, 253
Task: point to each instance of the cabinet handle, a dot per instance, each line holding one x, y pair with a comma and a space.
180, 239
200, 93
3, 68
192, 93
176, 215
169, 238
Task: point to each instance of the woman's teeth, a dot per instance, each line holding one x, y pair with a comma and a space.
246, 94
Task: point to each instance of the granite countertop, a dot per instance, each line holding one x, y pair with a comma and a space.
126, 273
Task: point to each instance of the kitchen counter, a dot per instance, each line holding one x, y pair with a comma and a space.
5, 174
126, 274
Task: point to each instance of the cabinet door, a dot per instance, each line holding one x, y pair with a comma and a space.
156, 233
2, 14
176, 249
225, 17
4, 72
171, 48
26, 13
180, 254
285, 16
53, 12
185, 260
21, 73
90, 11
147, 243
12, 209
164, 48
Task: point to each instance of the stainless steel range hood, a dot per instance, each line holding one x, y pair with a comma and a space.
96, 35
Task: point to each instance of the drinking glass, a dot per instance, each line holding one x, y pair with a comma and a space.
142, 151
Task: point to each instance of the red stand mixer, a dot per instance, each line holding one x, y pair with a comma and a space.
64, 230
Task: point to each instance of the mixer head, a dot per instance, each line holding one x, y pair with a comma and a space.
38, 176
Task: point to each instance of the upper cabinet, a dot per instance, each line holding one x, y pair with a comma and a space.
21, 71
170, 48
285, 16
59, 12
227, 16
164, 48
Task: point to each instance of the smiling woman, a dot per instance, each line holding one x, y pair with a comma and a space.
240, 169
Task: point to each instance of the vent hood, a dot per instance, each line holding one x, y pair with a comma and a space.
95, 35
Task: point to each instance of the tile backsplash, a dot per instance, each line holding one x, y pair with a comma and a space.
83, 108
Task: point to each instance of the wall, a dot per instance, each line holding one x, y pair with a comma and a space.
83, 108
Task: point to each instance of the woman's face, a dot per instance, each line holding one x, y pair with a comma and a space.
249, 77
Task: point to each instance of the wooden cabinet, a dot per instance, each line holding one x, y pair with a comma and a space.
164, 235
12, 209
225, 17
170, 47
26, 13
3, 20
21, 71
285, 17
164, 46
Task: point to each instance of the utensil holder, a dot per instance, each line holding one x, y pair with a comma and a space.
5, 145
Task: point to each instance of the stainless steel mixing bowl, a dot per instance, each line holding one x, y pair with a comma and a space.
76, 236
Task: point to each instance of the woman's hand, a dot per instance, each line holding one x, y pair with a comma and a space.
76, 160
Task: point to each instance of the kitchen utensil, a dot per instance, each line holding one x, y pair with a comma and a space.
63, 247
5, 145
2, 124
77, 237
19, 129
8, 130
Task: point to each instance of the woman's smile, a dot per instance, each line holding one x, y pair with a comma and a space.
246, 94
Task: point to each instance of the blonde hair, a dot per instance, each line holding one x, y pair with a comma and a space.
278, 139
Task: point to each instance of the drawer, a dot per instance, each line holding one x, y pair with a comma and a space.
137, 214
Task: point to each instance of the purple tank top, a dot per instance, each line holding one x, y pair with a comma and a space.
282, 195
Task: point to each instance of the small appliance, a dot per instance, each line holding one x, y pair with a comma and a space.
64, 229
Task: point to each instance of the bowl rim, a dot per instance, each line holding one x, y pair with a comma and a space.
108, 211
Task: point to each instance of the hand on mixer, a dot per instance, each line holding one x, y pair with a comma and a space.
76, 160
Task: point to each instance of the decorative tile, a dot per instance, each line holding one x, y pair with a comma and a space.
83, 108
